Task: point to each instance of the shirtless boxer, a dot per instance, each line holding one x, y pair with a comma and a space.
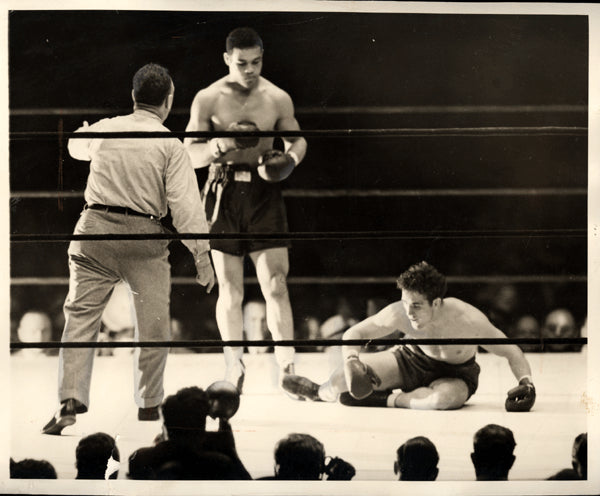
427, 377
242, 193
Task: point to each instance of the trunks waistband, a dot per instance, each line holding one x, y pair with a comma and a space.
231, 172
417, 350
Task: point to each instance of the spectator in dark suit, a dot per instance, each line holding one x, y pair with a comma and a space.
492, 456
93, 455
578, 461
29, 468
417, 460
302, 457
185, 450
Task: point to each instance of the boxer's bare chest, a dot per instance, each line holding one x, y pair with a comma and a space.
448, 327
258, 107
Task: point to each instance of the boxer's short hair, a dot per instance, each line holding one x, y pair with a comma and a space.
243, 38
423, 278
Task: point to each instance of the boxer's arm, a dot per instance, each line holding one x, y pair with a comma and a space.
199, 148
386, 321
295, 146
516, 359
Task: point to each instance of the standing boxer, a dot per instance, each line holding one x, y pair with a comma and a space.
242, 194
131, 184
429, 377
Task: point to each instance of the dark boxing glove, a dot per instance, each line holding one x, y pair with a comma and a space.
223, 400
220, 146
521, 398
360, 378
275, 166
338, 469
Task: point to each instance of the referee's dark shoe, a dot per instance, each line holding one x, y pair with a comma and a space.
64, 417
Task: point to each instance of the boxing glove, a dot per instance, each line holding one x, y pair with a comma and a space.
339, 469
360, 378
223, 400
221, 146
520, 398
275, 166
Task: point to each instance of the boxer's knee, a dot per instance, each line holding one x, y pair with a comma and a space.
449, 394
230, 296
277, 285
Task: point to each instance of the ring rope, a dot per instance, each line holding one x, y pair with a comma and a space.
337, 193
215, 343
353, 110
308, 236
334, 280
316, 133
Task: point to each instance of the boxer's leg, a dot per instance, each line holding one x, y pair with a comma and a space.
447, 393
272, 267
229, 270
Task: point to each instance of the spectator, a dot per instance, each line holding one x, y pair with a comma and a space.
417, 460
185, 450
34, 327
503, 306
578, 461
255, 325
97, 457
560, 323
528, 327
492, 456
302, 457
29, 468
308, 328
334, 328
178, 333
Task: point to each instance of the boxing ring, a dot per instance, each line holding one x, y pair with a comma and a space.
366, 437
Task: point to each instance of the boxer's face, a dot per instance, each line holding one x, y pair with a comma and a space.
418, 308
245, 65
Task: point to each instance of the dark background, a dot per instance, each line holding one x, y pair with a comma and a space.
86, 59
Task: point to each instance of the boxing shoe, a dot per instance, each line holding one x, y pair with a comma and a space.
64, 417
150, 413
376, 398
288, 370
235, 374
300, 388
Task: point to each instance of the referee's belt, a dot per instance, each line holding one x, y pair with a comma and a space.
118, 210
223, 173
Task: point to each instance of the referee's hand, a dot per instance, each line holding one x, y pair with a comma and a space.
206, 274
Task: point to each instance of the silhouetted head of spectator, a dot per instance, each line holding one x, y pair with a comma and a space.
417, 460
492, 456
527, 326
299, 457
579, 455
184, 414
560, 323
93, 454
29, 468
34, 327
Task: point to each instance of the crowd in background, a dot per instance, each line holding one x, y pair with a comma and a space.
41, 319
